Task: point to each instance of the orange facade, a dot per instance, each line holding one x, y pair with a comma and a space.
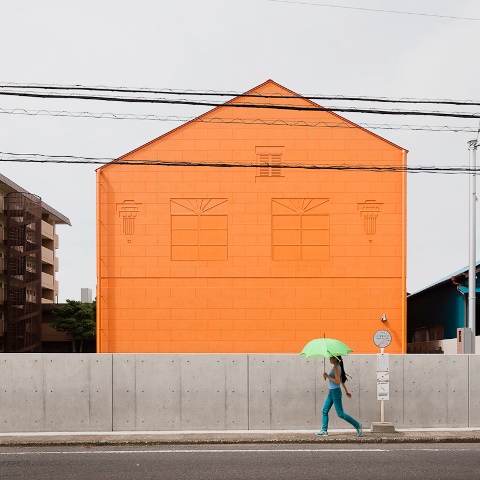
218, 248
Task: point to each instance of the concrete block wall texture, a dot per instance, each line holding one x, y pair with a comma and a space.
474, 390
209, 259
178, 392
42, 393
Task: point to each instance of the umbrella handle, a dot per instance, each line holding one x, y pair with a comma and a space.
324, 357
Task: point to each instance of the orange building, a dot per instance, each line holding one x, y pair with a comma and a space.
242, 231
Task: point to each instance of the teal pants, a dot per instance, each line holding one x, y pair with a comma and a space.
334, 397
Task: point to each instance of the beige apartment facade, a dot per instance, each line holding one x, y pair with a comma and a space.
28, 266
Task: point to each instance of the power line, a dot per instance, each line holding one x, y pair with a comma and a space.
247, 105
81, 160
42, 158
236, 121
376, 10
213, 93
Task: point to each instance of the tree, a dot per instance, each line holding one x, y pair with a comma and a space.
76, 318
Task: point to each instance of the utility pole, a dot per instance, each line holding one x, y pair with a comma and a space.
472, 284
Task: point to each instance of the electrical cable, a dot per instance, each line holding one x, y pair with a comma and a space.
375, 10
236, 121
81, 160
200, 93
249, 105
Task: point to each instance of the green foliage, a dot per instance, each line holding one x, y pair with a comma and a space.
76, 318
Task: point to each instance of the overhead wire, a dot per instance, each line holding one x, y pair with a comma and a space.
365, 9
202, 93
247, 105
36, 158
82, 160
238, 120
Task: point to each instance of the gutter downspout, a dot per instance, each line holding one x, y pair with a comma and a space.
404, 253
98, 298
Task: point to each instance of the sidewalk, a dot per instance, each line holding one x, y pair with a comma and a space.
467, 435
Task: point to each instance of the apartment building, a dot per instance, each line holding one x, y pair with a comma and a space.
28, 265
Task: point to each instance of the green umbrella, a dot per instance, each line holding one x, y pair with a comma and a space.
326, 348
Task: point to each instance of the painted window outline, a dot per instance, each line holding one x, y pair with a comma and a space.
198, 229
299, 230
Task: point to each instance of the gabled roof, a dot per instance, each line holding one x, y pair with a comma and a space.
447, 279
9, 185
279, 89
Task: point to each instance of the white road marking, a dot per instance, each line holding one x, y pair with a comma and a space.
237, 450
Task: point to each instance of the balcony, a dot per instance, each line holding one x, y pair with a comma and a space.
47, 256
47, 230
47, 281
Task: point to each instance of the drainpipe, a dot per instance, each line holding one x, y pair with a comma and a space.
404, 253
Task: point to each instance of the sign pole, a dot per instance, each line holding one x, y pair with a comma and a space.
472, 147
382, 339
382, 401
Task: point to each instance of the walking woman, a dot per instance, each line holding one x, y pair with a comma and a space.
336, 378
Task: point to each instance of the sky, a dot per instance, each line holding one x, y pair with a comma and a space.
310, 47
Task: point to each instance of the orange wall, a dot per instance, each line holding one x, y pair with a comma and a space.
221, 259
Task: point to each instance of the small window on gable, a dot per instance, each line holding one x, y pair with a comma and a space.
272, 158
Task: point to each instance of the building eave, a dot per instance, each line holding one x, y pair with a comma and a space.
56, 216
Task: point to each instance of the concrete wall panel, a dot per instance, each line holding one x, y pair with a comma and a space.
203, 392
474, 392
22, 393
419, 409
100, 395
433, 391
456, 371
158, 392
77, 392
394, 411
236, 387
124, 392
259, 378
293, 381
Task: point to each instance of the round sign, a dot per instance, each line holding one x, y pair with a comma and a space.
382, 338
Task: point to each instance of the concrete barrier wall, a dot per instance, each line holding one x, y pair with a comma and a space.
90, 392
44, 393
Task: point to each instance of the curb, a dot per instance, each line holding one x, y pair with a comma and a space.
235, 439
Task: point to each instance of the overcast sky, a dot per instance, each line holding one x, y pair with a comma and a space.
234, 45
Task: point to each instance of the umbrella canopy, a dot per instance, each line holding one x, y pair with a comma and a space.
326, 348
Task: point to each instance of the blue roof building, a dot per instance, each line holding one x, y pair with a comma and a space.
435, 312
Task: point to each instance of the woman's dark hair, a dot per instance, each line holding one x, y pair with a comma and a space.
343, 375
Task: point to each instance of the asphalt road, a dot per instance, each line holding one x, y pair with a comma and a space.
226, 462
